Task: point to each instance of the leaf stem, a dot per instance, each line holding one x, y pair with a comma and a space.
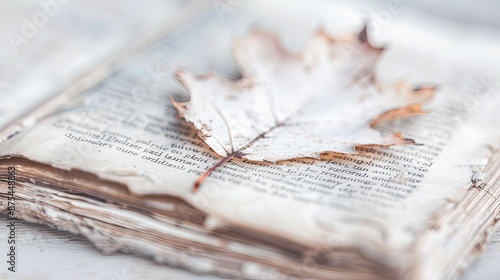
205, 175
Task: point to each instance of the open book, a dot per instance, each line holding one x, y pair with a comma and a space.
103, 154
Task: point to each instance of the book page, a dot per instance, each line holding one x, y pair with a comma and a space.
42, 246
486, 267
47, 45
127, 131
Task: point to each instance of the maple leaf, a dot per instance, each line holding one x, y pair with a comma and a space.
322, 99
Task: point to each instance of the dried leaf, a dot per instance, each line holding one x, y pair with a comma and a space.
323, 99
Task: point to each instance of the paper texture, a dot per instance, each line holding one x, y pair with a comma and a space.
127, 132
49, 46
